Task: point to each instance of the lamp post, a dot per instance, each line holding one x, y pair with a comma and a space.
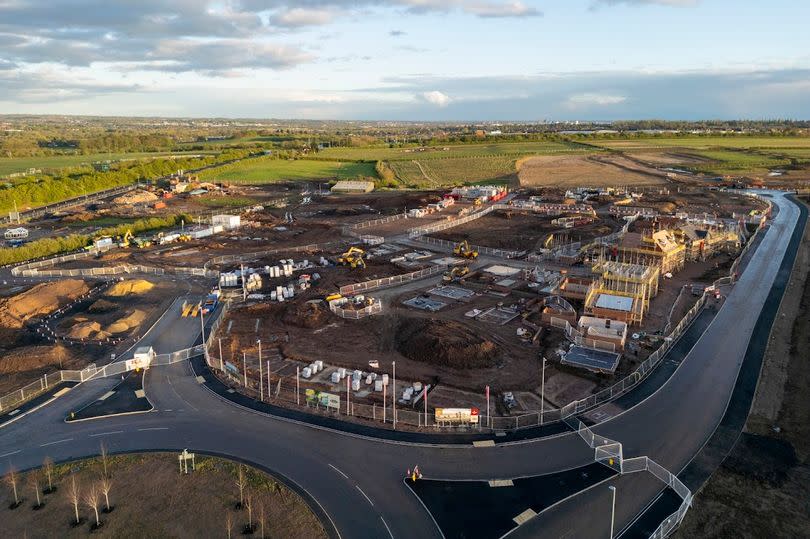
261, 385
612, 510
394, 394
543, 391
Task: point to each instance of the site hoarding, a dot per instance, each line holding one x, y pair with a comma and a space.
321, 398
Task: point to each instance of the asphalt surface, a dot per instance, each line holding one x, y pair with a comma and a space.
357, 480
122, 399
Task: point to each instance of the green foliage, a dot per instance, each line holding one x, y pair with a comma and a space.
40, 190
64, 244
271, 169
431, 173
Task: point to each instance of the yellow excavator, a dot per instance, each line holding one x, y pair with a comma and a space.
455, 274
126, 240
353, 257
464, 249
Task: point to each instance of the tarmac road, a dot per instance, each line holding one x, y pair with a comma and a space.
357, 480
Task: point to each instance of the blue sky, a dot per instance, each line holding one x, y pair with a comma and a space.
441, 60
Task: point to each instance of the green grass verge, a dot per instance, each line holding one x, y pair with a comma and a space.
12, 165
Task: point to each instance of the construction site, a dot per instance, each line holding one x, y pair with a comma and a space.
535, 297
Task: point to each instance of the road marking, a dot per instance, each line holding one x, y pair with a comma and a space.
61, 392
524, 517
107, 395
14, 412
153, 428
365, 495
338, 471
168, 410
9, 454
56, 442
501, 483
387, 528
106, 433
140, 394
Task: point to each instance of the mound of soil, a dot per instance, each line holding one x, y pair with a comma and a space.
102, 306
445, 343
127, 323
40, 300
133, 286
307, 315
87, 330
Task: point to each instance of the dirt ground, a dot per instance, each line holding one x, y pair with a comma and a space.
721, 204
150, 498
38, 301
524, 231
594, 171
763, 487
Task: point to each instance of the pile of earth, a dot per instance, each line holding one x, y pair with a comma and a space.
102, 306
132, 286
307, 315
87, 329
135, 197
40, 300
131, 321
445, 343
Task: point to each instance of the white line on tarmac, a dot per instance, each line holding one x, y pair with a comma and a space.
9, 454
154, 428
56, 442
365, 495
106, 433
387, 528
338, 471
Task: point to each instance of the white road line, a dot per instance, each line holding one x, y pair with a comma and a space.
153, 428
9, 454
365, 495
56, 442
106, 433
338, 471
387, 528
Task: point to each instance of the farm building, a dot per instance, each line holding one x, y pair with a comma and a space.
353, 187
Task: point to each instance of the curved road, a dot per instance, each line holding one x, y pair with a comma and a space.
357, 481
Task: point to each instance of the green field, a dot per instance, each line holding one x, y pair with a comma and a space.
431, 173
738, 162
266, 170
54, 162
703, 143
459, 150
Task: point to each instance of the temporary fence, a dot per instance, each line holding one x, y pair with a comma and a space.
351, 229
609, 452
255, 255
489, 251
375, 284
356, 314
450, 223
34, 389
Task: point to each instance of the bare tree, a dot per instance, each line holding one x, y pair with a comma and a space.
33, 478
104, 458
75, 497
91, 499
228, 523
47, 466
106, 485
241, 482
12, 479
261, 518
249, 506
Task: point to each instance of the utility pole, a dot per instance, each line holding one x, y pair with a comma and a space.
394, 395
261, 385
543, 391
244, 366
202, 328
297, 386
612, 510
385, 386
489, 421
221, 365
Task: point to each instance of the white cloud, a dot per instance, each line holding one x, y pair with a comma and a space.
300, 17
437, 98
672, 3
494, 10
594, 100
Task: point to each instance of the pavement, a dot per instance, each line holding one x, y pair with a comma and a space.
356, 481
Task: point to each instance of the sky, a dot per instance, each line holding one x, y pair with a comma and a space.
437, 60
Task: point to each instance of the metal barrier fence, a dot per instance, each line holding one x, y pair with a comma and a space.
450, 223
375, 284
246, 257
356, 314
34, 389
350, 230
490, 251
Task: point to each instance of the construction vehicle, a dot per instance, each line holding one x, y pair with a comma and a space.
353, 258
184, 237
126, 239
333, 297
464, 249
455, 274
141, 243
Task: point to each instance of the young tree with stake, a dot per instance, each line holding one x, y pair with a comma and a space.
261, 519
11, 479
249, 506
104, 458
241, 482
33, 478
106, 485
92, 502
228, 523
47, 466
75, 497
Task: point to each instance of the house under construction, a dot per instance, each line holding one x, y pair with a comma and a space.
638, 280
704, 242
660, 248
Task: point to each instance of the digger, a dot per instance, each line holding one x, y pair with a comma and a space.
126, 239
455, 274
353, 258
464, 249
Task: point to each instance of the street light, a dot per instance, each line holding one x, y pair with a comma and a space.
612, 510
261, 386
543, 391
